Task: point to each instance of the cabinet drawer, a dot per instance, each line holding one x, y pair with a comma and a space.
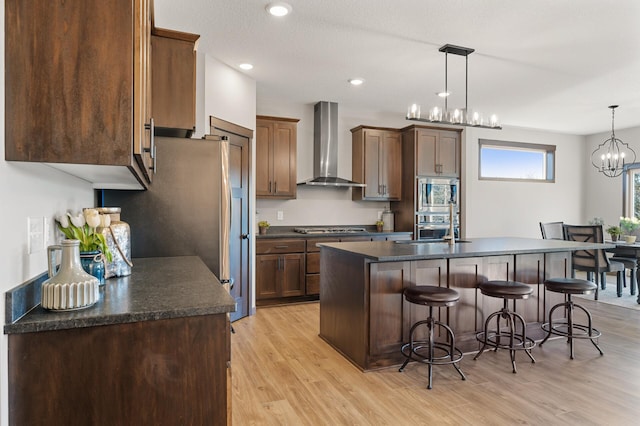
279, 246
313, 284
311, 243
313, 263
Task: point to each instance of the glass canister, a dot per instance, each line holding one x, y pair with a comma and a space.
118, 236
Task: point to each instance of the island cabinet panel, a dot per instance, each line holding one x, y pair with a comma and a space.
556, 265
464, 276
169, 372
386, 284
344, 315
425, 272
530, 270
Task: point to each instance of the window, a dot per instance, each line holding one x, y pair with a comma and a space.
631, 190
503, 160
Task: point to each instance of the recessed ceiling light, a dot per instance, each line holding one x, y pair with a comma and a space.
279, 8
246, 66
443, 94
356, 81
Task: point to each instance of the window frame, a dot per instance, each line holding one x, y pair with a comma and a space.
550, 159
627, 197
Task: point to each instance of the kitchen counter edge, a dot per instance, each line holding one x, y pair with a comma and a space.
387, 251
158, 288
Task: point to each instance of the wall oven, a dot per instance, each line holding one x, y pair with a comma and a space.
435, 226
435, 194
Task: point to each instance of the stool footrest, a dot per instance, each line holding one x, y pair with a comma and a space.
494, 339
445, 356
561, 328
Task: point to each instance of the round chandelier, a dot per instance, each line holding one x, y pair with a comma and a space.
611, 155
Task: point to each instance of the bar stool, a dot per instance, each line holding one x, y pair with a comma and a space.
566, 327
429, 351
509, 339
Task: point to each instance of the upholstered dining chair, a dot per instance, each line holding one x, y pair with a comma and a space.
552, 230
593, 261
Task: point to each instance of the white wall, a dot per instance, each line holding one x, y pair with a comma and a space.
515, 208
603, 195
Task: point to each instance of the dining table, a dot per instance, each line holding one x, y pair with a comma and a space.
630, 250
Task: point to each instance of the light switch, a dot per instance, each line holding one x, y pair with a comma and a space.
35, 234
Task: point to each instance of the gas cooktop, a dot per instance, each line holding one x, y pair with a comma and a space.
330, 230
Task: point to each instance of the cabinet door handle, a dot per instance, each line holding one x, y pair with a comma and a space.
154, 166
151, 127
269, 187
281, 247
275, 187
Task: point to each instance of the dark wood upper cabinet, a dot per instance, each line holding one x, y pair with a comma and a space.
377, 162
438, 153
173, 61
276, 143
77, 88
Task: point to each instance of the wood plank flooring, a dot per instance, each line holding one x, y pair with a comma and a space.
284, 374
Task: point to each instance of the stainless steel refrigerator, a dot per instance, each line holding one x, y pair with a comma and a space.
186, 210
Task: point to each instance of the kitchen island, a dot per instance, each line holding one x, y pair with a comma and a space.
364, 316
155, 349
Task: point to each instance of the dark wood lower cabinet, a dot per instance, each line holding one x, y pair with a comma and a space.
163, 372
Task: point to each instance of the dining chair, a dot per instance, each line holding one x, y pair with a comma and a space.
552, 230
594, 261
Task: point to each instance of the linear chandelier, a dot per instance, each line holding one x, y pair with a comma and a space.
459, 116
609, 157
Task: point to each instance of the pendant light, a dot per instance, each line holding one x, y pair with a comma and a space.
459, 116
612, 154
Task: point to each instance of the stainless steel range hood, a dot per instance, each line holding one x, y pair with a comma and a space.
325, 148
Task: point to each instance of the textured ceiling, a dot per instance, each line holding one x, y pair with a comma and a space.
546, 64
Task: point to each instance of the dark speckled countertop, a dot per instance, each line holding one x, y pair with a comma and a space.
389, 251
288, 232
158, 288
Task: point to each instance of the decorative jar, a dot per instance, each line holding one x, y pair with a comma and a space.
118, 236
70, 287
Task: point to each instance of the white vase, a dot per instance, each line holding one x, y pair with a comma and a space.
71, 287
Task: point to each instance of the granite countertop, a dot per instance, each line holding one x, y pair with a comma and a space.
158, 288
388, 251
288, 232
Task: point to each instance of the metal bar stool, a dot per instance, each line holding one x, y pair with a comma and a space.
508, 338
566, 327
429, 351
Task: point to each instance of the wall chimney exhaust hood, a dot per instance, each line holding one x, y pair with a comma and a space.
325, 148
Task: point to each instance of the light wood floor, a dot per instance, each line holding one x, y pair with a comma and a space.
284, 374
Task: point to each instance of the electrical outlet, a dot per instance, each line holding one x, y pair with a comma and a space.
280, 215
380, 215
36, 234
